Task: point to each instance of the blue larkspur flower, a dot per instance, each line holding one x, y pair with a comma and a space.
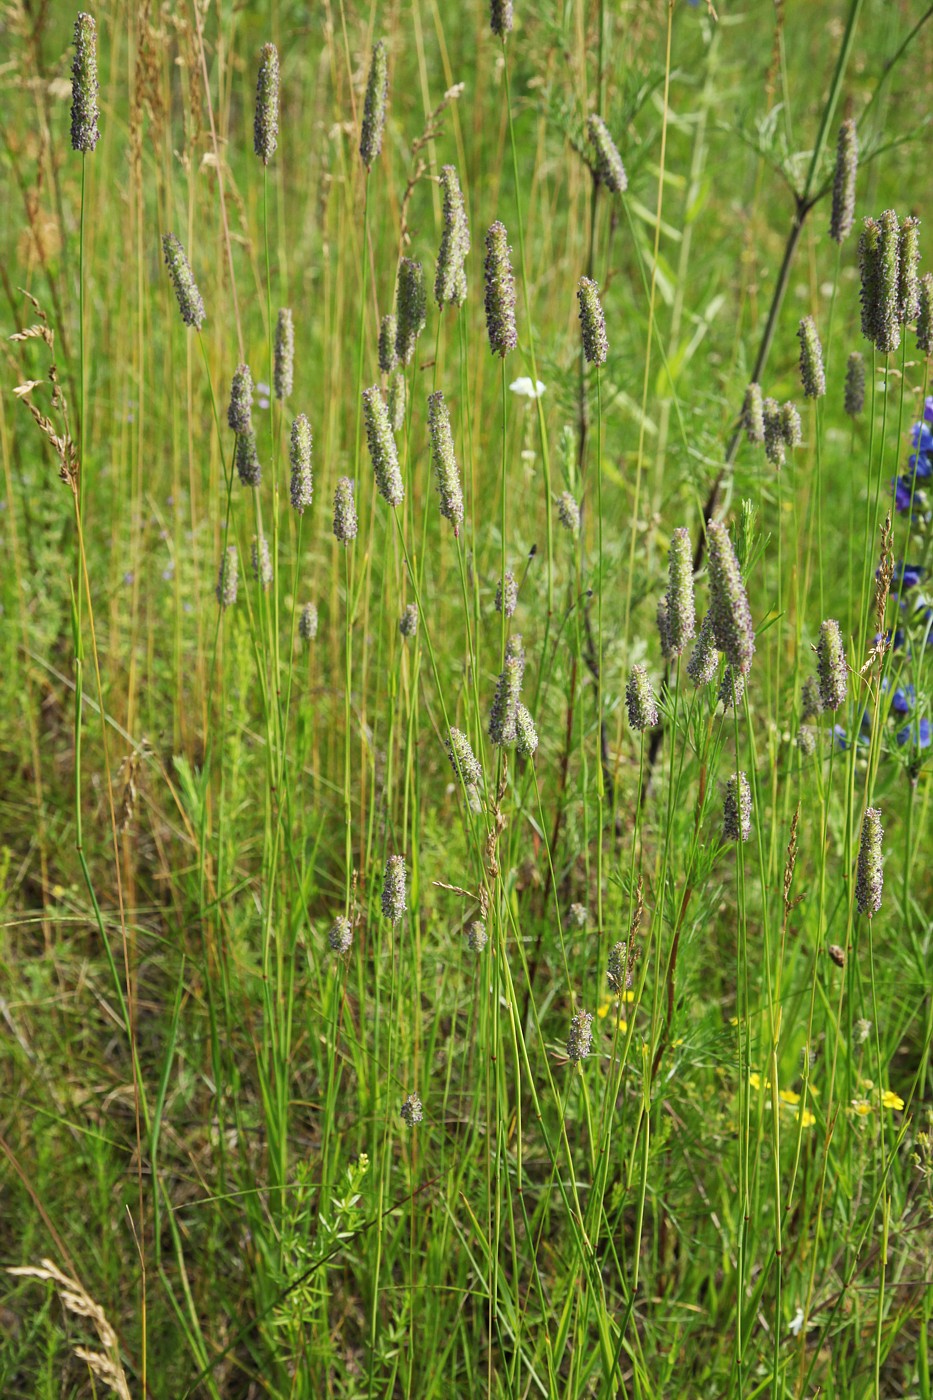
902, 701
922, 437
920, 464
907, 575
917, 734
902, 488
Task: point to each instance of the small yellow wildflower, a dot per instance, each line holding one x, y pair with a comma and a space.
789, 1096
603, 1011
754, 1079
808, 1119
891, 1100
862, 1107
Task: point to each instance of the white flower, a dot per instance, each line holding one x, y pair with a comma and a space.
796, 1322
529, 389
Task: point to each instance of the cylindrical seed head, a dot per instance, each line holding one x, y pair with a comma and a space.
345, 522
775, 447
500, 18
190, 303
879, 263
681, 607
507, 595
908, 279
476, 936
503, 717
450, 277
499, 292
592, 322
239, 413
568, 512
831, 665
664, 628
247, 459
580, 1039
227, 577
411, 1111
283, 371
307, 623
299, 454
85, 110
640, 700
855, 384
443, 458
411, 306
925, 315
577, 916
843, 213
340, 935
382, 450
262, 561
408, 622
753, 416
732, 616
806, 740
609, 170
462, 758
393, 889
388, 330
791, 430
701, 667
737, 809
731, 689
811, 701
812, 376
266, 123
396, 400
374, 105
870, 873
526, 735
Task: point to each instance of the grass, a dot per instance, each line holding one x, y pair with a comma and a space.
209, 1188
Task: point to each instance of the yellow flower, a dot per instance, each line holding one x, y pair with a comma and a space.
678, 1041
754, 1079
808, 1119
789, 1096
862, 1107
603, 1011
891, 1100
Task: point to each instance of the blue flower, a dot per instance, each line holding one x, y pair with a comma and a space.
907, 575
898, 640
921, 437
917, 734
903, 492
902, 701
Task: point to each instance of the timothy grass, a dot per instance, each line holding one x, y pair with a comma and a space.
209, 1185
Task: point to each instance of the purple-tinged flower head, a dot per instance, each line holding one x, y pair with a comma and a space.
374, 105
227, 577
806, 740
753, 415
640, 700
382, 450
906, 495
925, 315
408, 623
395, 400
411, 1111
393, 889
843, 214
907, 576
704, 659
239, 413
580, 1039
307, 623
831, 667
85, 110
388, 330
302, 484
503, 716
812, 375
731, 689
345, 521
775, 446
791, 430
737, 809
918, 734
444, 461
908, 276
811, 699
855, 384
266, 123
732, 616
527, 736
620, 967
283, 368
568, 512
463, 760
681, 607
411, 308
246, 458
190, 302
476, 936
664, 628
340, 935
609, 170
500, 292
507, 595
879, 264
450, 278
500, 18
869, 879
262, 561
592, 322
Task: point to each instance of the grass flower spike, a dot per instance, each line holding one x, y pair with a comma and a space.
307, 623
592, 322
283, 373
444, 461
266, 122
500, 18
732, 617
393, 889
843, 211
85, 111
831, 666
382, 450
462, 758
870, 875
450, 285
500, 292
374, 105
609, 170
640, 700
411, 304
737, 809
681, 608
345, 521
239, 414
247, 459
580, 1039
854, 400
812, 376
189, 298
227, 578
302, 484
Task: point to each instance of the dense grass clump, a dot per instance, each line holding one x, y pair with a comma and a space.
465, 826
